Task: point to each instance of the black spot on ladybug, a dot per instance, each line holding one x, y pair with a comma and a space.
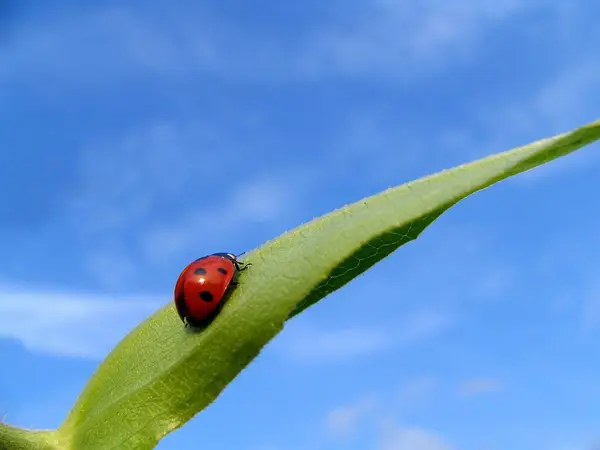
200, 271
223, 271
206, 296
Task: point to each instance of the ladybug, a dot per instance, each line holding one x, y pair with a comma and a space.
202, 285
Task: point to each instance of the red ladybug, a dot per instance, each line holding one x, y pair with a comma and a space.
202, 285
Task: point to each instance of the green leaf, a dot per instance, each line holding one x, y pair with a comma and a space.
161, 375
12, 438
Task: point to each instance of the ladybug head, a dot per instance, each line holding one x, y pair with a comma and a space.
229, 256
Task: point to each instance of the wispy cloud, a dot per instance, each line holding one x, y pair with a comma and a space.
396, 437
424, 324
88, 326
313, 345
368, 414
123, 178
478, 386
344, 421
186, 168
416, 392
563, 100
383, 38
398, 40
513, 123
127, 44
70, 324
253, 203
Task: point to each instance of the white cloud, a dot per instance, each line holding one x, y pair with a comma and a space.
348, 421
412, 438
566, 99
312, 345
256, 202
187, 167
494, 283
478, 386
398, 39
70, 324
127, 44
309, 344
423, 325
563, 101
344, 421
414, 393
123, 178
386, 38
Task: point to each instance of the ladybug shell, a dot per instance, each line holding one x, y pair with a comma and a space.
201, 287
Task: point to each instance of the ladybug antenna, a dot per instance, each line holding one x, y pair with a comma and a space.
243, 253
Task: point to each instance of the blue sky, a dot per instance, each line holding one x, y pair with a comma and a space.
139, 135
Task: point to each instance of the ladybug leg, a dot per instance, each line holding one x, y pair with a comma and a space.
241, 266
